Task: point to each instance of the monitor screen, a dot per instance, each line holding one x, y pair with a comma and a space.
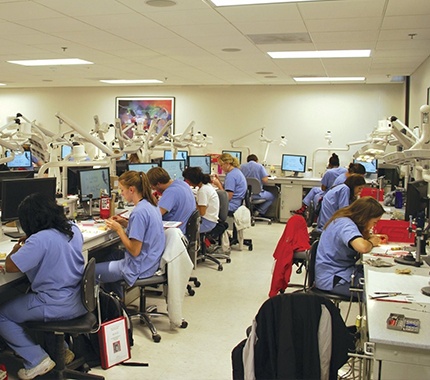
93, 181
142, 167
174, 168
21, 160
416, 199
15, 190
293, 163
234, 153
121, 166
204, 162
371, 167
180, 155
15, 174
65, 151
73, 179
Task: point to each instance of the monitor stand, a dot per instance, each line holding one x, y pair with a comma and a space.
19, 233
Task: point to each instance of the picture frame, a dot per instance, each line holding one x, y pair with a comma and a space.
114, 344
140, 111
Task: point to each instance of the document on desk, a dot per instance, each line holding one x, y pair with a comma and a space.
389, 250
409, 285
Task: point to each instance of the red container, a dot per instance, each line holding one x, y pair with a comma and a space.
397, 231
373, 192
104, 206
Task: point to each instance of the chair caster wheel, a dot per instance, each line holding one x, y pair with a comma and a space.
220, 268
156, 338
197, 284
250, 248
184, 325
228, 261
191, 292
269, 223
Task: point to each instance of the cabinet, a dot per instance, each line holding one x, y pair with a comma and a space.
291, 199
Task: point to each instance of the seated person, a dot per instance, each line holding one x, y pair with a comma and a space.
143, 237
177, 201
346, 235
253, 169
338, 197
327, 180
51, 256
206, 196
353, 168
234, 183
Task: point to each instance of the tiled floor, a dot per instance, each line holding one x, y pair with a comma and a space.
218, 315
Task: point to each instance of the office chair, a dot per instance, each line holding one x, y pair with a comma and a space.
192, 233
86, 324
216, 234
254, 187
174, 273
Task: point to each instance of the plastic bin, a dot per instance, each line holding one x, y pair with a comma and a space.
397, 231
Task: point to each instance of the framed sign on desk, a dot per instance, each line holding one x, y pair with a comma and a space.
141, 111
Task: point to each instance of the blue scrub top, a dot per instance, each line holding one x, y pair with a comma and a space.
334, 256
54, 265
145, 225
339, 180
253, 169
235, 182
330, 175
335, 199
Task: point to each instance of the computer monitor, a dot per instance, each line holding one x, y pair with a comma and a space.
65, 151
73, 179
21, 160
174, 168
371, 167
204, 162
15, 190
93, 181
14, 174
180, 155
142, 167
417, 201
121, 166
234, 153
293, 163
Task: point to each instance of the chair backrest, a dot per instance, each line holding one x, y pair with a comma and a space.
192, 232
223, 205
311, 264
254, 185
88, 286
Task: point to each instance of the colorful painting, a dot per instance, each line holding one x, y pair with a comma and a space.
141, 111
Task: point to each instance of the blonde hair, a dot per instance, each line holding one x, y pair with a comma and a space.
227, 158
140, 181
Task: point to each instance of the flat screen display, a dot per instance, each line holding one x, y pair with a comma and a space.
142, 167
371, 167
293, 163
174, 168
65, 151
21, 160
234, 153
180, 155
204, 162
93, 181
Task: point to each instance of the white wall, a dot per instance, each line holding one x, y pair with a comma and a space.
302, 113
420, 83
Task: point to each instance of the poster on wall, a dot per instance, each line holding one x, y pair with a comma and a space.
141, 111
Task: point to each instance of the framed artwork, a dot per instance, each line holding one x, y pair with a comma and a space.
141, 111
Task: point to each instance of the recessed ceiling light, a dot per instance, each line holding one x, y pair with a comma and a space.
52, 62
321, 54
227, 3
231, 50
161, 3
329, 79
2, 84
130, 81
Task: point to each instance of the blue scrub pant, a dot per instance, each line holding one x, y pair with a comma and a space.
313, 195
342, 287
263, 207
19, 311
207, 225
109, 272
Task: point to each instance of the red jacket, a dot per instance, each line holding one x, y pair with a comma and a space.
295, 238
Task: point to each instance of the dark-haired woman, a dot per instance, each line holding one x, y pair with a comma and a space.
346, 235
142, 236
340, 196
51, 256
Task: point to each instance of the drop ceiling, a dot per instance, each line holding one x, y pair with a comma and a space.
196, 43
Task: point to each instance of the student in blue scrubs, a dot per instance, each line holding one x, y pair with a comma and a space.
177, 201
51, 256
346, 236
353, 168
338, 197
142, 236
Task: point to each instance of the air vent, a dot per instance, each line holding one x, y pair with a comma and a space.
280, 38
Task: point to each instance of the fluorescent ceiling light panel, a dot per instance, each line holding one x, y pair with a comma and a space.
2, 84
52, 62
130, 81
229, 3
329, 79
321, 54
